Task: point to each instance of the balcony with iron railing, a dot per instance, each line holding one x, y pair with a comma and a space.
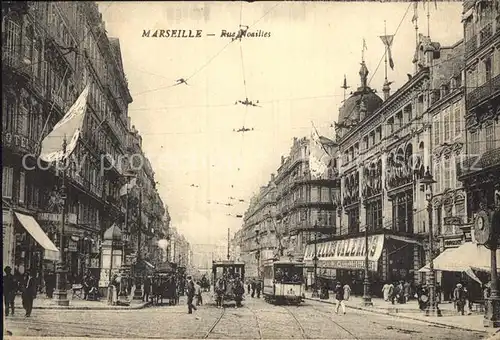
18, 142
322, 225
474, 164
484, 91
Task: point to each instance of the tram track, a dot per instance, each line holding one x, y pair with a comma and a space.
211, 329
327, 315
302, 330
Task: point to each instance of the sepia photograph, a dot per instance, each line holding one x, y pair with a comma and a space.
251, 169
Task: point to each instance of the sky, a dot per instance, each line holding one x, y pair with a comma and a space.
296, 74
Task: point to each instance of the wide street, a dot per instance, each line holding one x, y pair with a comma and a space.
255, 320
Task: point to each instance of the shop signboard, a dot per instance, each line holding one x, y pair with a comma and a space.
51, 217
452, 242
348, 253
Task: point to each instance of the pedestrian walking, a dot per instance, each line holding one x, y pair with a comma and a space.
406, 292
460, 297
339, 297
147, 289
29, 293
253, 286
219, 293
258, 288
199, 298
248, 288
347, 292
9, 290
385, 291
190, 292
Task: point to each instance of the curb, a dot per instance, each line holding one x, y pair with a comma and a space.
140, 306
407, 317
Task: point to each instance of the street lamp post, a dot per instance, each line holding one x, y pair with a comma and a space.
367, 299
315, 292
138, 287
60, 293
432, 308
258, 253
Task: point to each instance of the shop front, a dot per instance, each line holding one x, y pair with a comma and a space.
80, 246
469, 264
390, 258
33, 249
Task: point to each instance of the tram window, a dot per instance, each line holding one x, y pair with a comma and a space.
289, 274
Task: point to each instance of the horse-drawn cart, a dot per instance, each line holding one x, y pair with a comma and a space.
164, 285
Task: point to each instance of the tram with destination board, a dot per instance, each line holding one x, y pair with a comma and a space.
227, 278
284, 282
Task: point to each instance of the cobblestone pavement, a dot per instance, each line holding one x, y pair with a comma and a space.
255, 320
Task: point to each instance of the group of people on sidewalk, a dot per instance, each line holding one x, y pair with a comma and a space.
12, 285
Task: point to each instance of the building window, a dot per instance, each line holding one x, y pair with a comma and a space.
374, 215
447, 177
474, 142
458, 120
490, 137
447, 127
402, 212
487, 69
353, 220
22, 186
437, 132
7, 181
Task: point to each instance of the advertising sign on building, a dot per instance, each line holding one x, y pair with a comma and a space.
347, 254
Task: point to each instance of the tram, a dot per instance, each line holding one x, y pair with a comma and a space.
230, 275
284, 282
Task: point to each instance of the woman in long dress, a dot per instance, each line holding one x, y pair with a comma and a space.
386, 290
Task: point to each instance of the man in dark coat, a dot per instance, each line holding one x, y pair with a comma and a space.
258, 288
29, 293
190, 292
9, 290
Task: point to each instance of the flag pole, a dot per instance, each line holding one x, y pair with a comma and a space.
428, 19
386, 49
51, 110
416, 23
322, 146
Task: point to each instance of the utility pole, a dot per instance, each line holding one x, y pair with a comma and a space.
228, 242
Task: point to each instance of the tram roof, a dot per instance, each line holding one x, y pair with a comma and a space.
285, 263
227, 263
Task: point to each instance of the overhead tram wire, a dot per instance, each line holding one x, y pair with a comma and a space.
209, 60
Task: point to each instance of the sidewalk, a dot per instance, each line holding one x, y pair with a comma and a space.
410, 310
42, 302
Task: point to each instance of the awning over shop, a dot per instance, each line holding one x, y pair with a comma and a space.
468, 256
346, 254
34, 229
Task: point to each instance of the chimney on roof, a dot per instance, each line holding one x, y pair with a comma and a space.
272, 177
282, 159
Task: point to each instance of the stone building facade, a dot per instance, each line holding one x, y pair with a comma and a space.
51, 51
